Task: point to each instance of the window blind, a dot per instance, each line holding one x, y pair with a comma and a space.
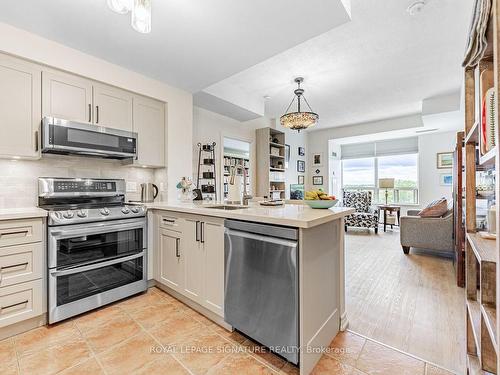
380, 148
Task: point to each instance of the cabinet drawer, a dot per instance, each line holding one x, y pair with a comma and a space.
169, 222
17, 232
20, 302
21, 263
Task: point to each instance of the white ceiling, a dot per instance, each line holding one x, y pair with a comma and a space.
193, 43
381, 65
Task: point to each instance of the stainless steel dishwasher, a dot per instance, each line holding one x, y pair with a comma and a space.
261, 284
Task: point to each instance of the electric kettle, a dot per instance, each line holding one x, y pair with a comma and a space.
149, 192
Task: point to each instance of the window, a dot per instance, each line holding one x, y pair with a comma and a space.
363, 174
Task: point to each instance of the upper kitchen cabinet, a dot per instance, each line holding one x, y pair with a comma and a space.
20, 103
149, 124
66, 96
112, 107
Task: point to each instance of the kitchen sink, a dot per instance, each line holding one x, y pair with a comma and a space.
226, 207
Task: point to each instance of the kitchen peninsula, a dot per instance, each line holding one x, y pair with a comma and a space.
189, 262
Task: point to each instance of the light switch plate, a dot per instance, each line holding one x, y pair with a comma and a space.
131, 187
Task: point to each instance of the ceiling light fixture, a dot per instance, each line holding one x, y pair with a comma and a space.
141, 12
416, 7
299, 120
120, 6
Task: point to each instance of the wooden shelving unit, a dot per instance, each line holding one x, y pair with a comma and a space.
270, 163
481, 255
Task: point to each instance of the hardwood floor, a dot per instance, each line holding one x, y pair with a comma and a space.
410, 302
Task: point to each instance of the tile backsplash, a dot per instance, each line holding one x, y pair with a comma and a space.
19, 178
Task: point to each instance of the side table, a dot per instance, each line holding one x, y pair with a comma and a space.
390, 209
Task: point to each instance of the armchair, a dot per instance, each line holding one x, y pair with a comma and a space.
365, 215
435, 233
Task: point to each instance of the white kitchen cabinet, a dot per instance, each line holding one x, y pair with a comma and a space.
149, 123
20, 103
197, 270
112, 107
171, 259
66, 96
213, 257
194, 260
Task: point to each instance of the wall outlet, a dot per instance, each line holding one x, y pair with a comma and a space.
131, 187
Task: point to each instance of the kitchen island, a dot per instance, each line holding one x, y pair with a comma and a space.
188, 262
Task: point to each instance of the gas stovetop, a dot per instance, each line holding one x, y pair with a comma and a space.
81, 200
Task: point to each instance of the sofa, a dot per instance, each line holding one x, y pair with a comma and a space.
427, 232
365, 215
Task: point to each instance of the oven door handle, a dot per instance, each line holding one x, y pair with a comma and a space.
71, 271
95, 229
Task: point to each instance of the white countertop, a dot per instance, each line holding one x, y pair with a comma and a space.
21, 213
293, 215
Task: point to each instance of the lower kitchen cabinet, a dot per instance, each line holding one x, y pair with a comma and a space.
197, 269
170, 259
193, 257
213, 248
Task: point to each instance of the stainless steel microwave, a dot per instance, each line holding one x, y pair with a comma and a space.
68, 137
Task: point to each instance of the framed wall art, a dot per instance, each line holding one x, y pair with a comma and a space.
444, 160
301, 166
317, 180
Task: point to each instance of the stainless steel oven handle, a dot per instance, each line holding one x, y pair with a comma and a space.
104, 227
71, 271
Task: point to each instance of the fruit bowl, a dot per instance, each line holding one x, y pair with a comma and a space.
321, 203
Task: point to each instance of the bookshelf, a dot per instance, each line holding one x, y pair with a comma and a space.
481, 255
270, 163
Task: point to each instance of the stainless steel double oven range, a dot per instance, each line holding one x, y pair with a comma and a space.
96, 244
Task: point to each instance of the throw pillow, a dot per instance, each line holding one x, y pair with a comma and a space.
435, 209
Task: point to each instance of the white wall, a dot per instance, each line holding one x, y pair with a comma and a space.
295, 140
428, 146
179, 117
211, 127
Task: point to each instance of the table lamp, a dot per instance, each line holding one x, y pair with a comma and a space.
386, 183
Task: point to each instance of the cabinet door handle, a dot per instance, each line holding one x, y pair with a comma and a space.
96, 114
13, 305
202, 232
177, 250
13, 266
197, 231
90, 112
25, 232
36, 140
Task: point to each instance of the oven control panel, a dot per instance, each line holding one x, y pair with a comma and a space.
83, 186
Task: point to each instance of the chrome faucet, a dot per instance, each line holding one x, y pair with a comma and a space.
245, 197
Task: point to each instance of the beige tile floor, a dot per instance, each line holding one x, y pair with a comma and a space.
153, 333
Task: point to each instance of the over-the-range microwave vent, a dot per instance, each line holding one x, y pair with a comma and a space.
74, 138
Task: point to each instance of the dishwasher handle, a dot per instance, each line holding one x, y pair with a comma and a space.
258, 237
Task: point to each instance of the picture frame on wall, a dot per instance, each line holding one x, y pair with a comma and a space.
446, 179
287, 156
317, 180
301, 180
301, 166
317, 159
302, 151
296, 192
444, 160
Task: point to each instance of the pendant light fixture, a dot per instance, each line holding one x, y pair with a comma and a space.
120, 6
141, 12
299, 120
